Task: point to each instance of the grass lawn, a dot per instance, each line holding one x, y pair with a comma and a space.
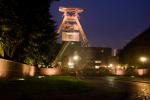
52, 84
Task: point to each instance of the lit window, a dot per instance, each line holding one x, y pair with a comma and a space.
70, 63
97, 67
72, 66
98, 61
102, 51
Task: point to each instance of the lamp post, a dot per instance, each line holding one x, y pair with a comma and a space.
143, 60
76, 59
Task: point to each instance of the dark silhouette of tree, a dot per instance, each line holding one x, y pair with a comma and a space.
38, 36
10, 31
138, 47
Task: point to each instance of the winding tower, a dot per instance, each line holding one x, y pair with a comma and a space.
71, 31
70, 28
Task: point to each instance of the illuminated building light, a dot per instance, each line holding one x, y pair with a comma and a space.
110, 65
72, 43
39, 65
76, 57
70, 64
97, 67
143, 59
104, 66
21, 79
114, 53
133, 66
102, 51
98, 61
71, 67
70, 36
64, 9
40, 76
118, 66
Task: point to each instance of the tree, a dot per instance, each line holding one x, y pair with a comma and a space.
41, 38
10, 31
38, 37
139, 46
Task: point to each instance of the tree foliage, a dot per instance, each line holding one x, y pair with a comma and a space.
10, 30
29, 35
136, 48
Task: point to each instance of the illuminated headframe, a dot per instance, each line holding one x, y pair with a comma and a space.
75, 10
70, 28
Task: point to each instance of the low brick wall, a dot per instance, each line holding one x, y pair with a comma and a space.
141, 72
50, 71
10, 69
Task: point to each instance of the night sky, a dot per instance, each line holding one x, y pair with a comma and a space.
109, 23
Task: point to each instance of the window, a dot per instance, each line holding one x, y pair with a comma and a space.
98, 61
102, 51
97, 67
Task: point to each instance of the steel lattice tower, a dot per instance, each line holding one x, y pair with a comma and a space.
70, 28
71, 31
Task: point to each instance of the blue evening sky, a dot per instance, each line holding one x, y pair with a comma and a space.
109, 23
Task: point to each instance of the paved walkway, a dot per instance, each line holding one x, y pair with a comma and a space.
101, 92
105, 89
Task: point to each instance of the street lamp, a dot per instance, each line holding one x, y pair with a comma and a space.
71, 64
76, 59
143, 59
110, 65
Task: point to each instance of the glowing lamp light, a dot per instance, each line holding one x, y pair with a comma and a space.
76, 57
110, 65
143, 59
21, 79
118, 66
40, 76
70, 63
97, 67
71, 67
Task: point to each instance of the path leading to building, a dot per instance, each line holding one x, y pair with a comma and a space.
106, 88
